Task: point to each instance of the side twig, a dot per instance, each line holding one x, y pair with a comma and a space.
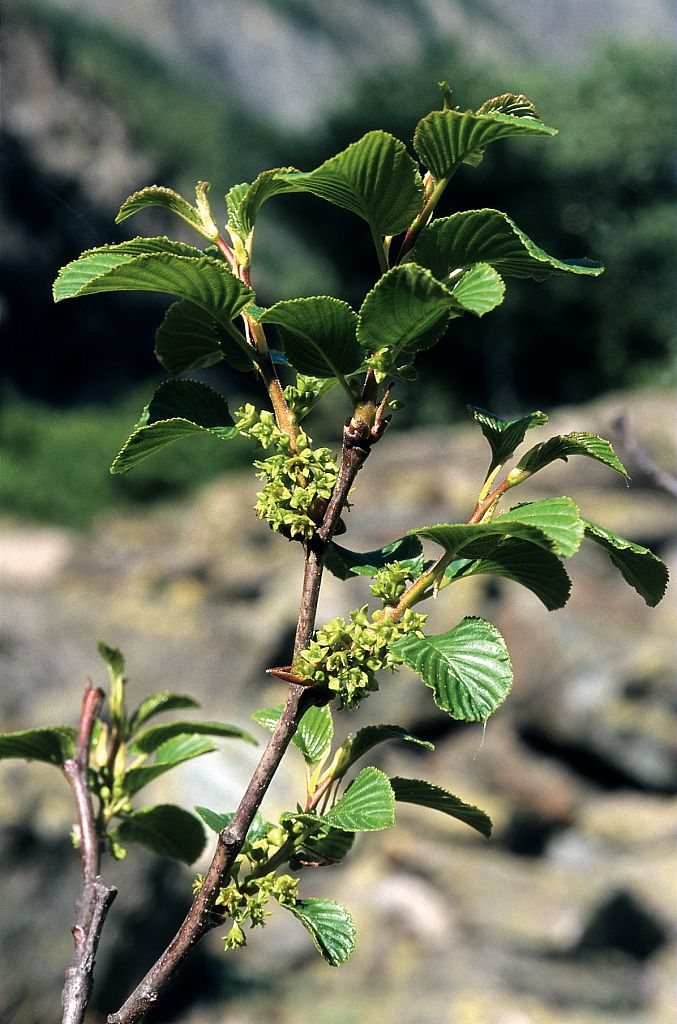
95, 896
201, 918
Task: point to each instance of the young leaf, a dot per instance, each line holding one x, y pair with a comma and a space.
479, 290
114, 660
370, 736
190, 338
504, 436
407, 310
637, 565
158, 195
168, 756
150, 739
468, 669
318, 334
374, 178
368, 804
54, 744
417, 791
552, 523
156, 704
264, 187
330, 925
511, 103
314, 733
164, 829
217, 822
344, 563
156, 265
179, 408
458, 242
444, 139
318, 851
234, 197
523, 562
563, 445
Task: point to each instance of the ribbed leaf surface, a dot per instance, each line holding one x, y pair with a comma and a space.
552, 523
368, 804
264, 187
318, 334
330, 925
164, 829
445, 138
563, 445
314, 733
158, 195
504, 436
637, 565
317, 851
374, 178
524, 563
179, 408
156, 265
417, 791
468, 669
54, 745
511, 103
480, 289
190, 338
407, 310
371, 735
489, 236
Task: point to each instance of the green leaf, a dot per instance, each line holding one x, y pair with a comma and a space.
552, 523
168, 756
156, 265
370, 736
563, 445
504, 436
179, 408
217, 822
164, 829
314, 733
637, 565
444, 139
234, 197
156, 704
330, 925
520, 561
344, 563
511, 103
150, 739
374, 178
468, 669
318, 851
407, 310
450, 244
264, 187
114, 660
368, 804
417, 791
54, 744
190, 338
318, 334
479, 290
158, 195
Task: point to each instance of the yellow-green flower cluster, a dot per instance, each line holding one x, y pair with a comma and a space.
345, 656
297, 483
246, 905
391, 582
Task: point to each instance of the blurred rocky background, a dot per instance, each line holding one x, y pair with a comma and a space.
567, 915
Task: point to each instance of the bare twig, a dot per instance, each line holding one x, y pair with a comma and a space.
201, 918
95, 896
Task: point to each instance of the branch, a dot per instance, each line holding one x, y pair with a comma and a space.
201, 918
95, 896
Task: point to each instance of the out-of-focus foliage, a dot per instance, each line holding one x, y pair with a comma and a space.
55, 464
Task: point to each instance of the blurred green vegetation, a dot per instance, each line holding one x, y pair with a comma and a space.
55, 463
